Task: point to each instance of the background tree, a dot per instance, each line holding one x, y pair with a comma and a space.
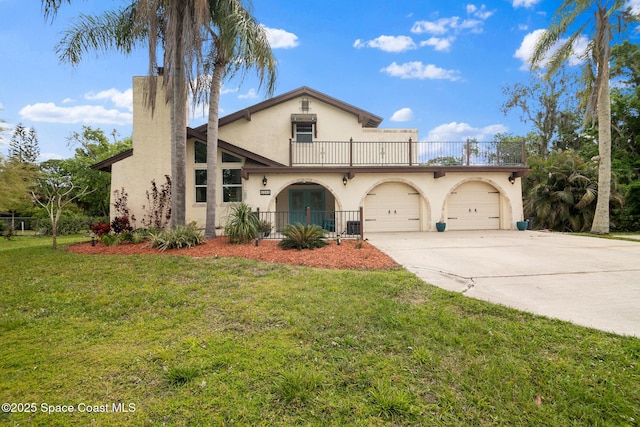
601, 15
546, 104
237, 43
16, 179
92, 146
55, 190
24, 145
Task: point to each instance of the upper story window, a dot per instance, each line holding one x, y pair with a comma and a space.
304, 127
304, 132
200, 150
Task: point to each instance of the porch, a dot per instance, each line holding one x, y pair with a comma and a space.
343, 224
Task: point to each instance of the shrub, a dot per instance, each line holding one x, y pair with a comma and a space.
242, 224
300, 236
184, 236
101, 228
121, 224
131, 237
110, 239
158, 207
69, 223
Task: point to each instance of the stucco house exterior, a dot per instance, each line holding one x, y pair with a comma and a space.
304, 156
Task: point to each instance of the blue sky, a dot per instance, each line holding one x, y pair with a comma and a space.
438, 66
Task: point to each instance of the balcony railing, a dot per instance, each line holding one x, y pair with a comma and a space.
406, 153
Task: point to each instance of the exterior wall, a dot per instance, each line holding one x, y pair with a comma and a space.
151, 159
433, 192
269, 131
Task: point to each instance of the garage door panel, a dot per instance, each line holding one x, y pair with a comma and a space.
474, 206
392, 206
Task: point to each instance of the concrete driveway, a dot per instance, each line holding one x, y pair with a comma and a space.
586, 280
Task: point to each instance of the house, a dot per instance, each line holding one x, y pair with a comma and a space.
304, 156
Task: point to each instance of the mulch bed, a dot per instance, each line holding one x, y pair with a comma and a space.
334, 256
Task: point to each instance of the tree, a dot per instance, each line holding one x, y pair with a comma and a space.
174, 24
546, 104
237, 43
16, 179
595, 76
55, 191
24, 145
92, 146
560, 192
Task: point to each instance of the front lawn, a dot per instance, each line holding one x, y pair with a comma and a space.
174, 340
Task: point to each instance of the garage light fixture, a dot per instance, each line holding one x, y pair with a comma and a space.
512, 178
264, 180
345, 179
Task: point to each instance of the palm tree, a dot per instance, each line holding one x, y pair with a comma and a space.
237, 43
598, 104
177, 25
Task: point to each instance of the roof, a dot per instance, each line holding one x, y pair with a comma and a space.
254, 159
368, 120
105, 165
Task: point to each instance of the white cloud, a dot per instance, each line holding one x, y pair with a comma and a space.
402, 115
445, 29
525, 51
417, 70
439, 27
388, 43
68, 101
439, 44
455, 131
252, 94
281, 39
51, 113
479, 12
525, 3
634, 5
226, 90
119, 99
43, 157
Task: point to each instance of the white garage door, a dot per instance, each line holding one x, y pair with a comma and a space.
474, 206
392, 206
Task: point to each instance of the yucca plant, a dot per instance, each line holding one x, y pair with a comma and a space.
300, 236
242, 225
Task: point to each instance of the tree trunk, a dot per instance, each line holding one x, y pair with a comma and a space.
178, 138
212, 152
601, 219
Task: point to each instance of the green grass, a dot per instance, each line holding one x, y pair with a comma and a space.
220, 341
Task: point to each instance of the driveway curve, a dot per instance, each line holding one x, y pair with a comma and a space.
589, 281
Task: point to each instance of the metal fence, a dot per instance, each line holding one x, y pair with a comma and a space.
19, 223
407, 153
345, 224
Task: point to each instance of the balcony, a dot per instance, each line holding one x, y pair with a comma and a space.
407, 153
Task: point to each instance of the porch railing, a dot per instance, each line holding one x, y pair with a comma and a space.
345, 224
407, 153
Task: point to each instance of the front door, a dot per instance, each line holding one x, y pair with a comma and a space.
300, 199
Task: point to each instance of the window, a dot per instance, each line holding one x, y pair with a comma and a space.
231, 178
231, 185
304, 132
200, 152
201, 185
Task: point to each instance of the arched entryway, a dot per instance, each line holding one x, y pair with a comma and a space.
392, 206
474, 205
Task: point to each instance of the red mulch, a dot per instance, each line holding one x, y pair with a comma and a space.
344, 256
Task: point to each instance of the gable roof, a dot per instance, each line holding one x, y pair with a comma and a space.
368, 120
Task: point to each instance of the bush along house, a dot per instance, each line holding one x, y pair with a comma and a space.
306, 157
